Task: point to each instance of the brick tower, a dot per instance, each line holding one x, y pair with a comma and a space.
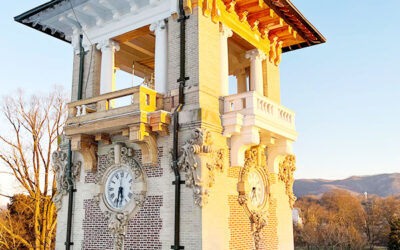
175, 137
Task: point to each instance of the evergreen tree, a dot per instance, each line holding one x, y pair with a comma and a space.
394, 236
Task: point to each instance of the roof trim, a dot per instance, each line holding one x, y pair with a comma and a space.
20, 18
282, 8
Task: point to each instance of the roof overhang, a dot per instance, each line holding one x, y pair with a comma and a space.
98, 19
58, 18
24, 17
292, 16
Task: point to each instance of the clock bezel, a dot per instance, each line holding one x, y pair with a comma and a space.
263, 176
114, 168
250, 207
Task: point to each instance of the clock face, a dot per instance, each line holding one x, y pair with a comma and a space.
255, 188
119, 188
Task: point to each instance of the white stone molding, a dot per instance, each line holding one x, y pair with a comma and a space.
256, 57
225, 33
277, 151
200, 161
107, 75
161, 62
60, 165
248, 137
120, 157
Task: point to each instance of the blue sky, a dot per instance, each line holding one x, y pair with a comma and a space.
345, 93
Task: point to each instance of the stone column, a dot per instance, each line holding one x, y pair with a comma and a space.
241, 78
225, 33
160, 31
107, 79
256, 57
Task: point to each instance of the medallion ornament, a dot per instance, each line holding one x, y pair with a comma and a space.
198, 152
286, 169
123, 188
254, 192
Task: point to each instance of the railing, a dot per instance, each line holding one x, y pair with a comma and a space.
143, 99
252, 103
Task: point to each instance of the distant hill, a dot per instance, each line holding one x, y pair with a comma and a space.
382, 185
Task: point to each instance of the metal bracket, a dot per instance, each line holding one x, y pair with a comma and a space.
181, 182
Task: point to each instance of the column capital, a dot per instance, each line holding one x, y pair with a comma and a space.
108, 44
225, 31
158, 26
255, 54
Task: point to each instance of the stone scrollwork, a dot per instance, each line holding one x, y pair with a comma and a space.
118, 226
286, 169
254, 192
191, 162
60, 166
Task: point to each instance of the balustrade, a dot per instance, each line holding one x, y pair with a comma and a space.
251, 108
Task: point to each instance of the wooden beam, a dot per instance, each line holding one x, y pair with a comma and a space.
139, 48
145, 30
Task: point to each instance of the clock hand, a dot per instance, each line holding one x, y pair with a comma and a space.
122, 195
119, 194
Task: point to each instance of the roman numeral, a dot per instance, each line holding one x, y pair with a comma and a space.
110, 189
112, 196
122, 174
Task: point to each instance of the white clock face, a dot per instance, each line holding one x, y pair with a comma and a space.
119, 188
255, 188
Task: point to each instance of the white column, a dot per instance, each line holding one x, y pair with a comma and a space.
225, 33
241, 78
107, 79
160, 30
256, 57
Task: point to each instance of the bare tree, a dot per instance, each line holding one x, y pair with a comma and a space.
26, 150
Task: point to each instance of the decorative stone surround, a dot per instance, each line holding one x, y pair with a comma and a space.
118, 219
198, 155
255, 160
287, 166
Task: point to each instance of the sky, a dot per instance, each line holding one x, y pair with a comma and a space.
346, 93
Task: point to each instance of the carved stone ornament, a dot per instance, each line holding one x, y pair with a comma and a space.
121, 165
60, 166
286, 169
254, 191
198, 152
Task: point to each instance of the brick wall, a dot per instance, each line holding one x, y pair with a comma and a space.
240, 227
143, 229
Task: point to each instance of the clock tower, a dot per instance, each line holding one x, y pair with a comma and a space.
176, 137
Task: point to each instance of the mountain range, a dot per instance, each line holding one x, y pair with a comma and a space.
382, 185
